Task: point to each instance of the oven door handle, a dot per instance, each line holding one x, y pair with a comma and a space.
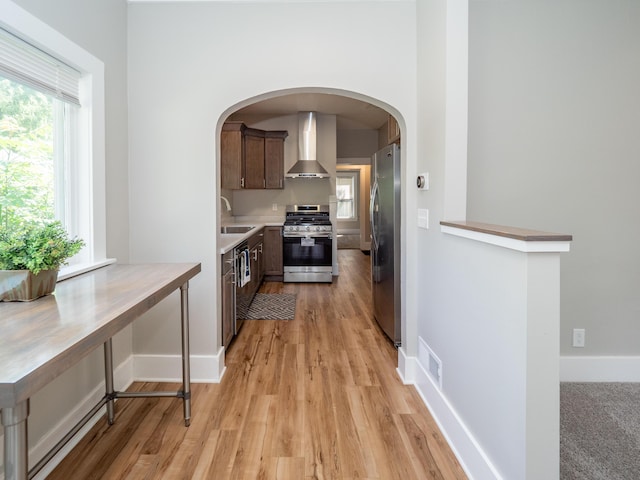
307, 235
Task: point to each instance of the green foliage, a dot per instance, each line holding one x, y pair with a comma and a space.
36, 247
26, 155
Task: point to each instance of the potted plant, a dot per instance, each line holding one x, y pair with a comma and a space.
30, 257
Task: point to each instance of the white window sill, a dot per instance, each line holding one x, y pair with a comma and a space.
75, 270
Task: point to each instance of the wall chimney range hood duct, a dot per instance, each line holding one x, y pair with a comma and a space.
307, 165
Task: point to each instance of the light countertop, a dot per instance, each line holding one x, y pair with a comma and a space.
227, 241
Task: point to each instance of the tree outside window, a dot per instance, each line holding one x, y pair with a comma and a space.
27, 169
346, 195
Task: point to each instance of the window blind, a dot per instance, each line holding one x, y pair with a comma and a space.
24, 63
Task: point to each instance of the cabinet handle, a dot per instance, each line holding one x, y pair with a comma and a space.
242, 182
255, 254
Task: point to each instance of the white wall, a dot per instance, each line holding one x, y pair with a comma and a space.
221, 55
357, 143
554, 109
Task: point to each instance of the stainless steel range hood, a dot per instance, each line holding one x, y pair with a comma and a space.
307, 165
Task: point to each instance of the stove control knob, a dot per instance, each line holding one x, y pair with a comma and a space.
308, 228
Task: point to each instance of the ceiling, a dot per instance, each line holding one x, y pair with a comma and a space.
350, 114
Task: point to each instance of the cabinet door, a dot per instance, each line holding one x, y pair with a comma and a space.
261, 260
255, 270
273, 251
257, 263
231, 156
228, 307
274, 159
253, 159
393, 130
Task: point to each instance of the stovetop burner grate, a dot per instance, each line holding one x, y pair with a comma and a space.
307, 221
307, 218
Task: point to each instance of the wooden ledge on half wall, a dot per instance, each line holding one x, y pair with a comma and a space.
515, 233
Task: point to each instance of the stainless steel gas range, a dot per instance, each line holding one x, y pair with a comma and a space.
307, 244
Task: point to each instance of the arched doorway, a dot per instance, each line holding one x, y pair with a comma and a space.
351, 129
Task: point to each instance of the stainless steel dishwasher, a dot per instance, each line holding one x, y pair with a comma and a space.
243, 283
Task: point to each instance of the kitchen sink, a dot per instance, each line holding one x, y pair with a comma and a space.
236, 228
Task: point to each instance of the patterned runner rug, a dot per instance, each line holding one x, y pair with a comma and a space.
272, 306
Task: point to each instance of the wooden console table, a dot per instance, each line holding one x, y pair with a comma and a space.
41, 339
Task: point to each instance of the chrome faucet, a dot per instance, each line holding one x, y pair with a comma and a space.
227, 202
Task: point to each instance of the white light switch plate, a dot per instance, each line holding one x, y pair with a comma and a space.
423, 218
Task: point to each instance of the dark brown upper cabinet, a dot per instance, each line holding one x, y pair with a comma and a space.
251, 158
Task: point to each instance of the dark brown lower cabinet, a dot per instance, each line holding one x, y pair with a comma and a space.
273, 269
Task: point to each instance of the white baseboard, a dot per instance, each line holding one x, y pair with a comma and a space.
600, 369
168, 368
466, 449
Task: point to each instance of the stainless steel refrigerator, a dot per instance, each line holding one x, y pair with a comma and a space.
385, 240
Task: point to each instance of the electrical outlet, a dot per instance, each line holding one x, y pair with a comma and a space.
274, 207
578, 337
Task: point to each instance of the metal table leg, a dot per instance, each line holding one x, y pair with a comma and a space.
108, 379
16, 455
186, 371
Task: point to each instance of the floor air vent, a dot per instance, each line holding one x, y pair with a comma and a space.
432, 363
435, 369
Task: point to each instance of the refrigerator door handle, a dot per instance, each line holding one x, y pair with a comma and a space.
374, 197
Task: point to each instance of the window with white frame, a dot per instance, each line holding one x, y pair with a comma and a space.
51, 134
347, 195
36, 134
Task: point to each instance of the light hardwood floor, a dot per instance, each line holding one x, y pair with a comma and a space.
312, 398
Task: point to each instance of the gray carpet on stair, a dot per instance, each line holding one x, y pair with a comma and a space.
599, 431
